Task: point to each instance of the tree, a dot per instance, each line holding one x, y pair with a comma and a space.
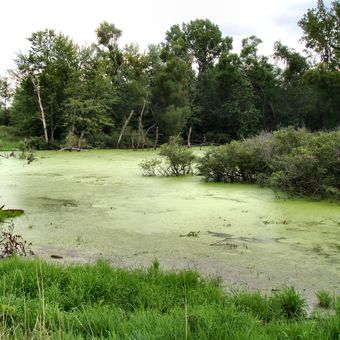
205, 42
44, 73
90, 96
320, 27
263, 77
170, 102
237, 112
6, 94
108, 34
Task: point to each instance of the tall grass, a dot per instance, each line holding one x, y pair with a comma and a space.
42, 300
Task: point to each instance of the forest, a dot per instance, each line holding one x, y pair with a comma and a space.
192, 84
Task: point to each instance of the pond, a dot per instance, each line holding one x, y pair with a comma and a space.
96, 204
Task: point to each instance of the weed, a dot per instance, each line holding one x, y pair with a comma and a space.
324, 299
289, 303
13, 244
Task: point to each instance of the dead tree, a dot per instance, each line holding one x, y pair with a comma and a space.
36, 85
189, 137
140, 127
123, 128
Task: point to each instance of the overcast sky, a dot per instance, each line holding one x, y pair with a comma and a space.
146, 21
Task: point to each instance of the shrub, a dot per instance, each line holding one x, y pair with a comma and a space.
149, 166
311, 167
177, 160
294, 161
33, 143
238, 161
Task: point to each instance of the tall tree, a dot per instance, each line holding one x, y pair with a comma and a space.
321, 26
205, 42
6, 93
90, 96
44, 73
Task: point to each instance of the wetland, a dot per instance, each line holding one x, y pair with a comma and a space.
96, 205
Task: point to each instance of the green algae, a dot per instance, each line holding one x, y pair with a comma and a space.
9, 213
96, 204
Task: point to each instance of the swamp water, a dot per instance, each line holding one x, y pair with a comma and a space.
96, 204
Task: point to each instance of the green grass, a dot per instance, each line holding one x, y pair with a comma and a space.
9, 140
42, 300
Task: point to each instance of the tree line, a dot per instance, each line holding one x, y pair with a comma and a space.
192, 84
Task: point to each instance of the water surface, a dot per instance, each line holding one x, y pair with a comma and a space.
96, 204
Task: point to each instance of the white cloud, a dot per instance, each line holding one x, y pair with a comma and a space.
146, 21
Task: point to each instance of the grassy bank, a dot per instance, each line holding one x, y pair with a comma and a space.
43, 300
8, 139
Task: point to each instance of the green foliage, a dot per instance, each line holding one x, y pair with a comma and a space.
150, 167
238, 161
177, 160
32, 143
320, 27
289, 303
325, 300
295, 161
98, 301
306, 163
191, 80
9, 139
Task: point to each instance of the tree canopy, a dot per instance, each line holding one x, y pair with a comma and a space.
192, 81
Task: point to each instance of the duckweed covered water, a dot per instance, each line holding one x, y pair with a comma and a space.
97, 204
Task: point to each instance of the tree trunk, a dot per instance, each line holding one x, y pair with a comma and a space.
43, 119
189, 137
156, 139
123, 128
140, 127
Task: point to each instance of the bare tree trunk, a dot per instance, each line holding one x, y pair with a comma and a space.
140, 126
43, 119
189, 137
80, 139
123, 128
156, 140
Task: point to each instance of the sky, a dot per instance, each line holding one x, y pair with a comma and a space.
145, 22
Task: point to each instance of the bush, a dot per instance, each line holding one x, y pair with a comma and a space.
294, 161
149, 166
310, 167
177, 160
238, 161
33, 143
